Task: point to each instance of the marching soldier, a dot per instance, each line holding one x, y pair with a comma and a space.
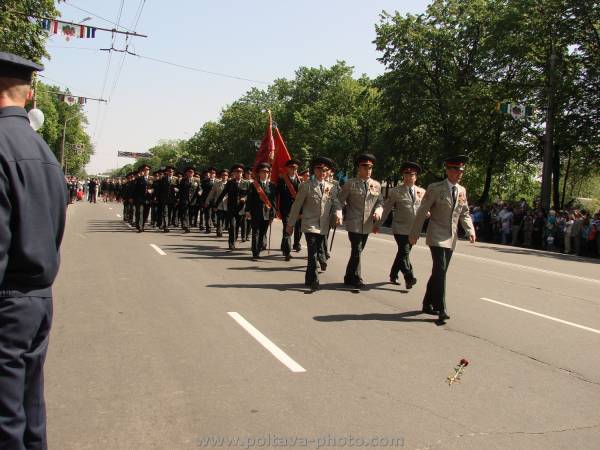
140, 197
317, 199
288, 188
167, 197
154, 214
247, 224
128, 198
363, 200
216, 202
260, 207
206, 186
188, 192
404, 200
236, 191
446, 201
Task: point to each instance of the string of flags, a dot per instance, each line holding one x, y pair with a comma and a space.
68, 30
133, 154
72, 99
517, 111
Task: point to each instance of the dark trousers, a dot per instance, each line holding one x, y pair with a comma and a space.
24, 328
435, 295
286, 244
235, 222
357, 242
193, 215
164, 212
259, 234
402, 260
222, 221
314, 244
207, 216
141, 212
184, 216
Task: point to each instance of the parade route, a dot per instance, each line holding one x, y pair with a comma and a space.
171, 341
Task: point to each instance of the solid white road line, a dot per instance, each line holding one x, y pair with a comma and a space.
593, 330
504, 263
119, 216
158, 249
266, 343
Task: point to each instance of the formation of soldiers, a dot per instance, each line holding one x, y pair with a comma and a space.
244, 201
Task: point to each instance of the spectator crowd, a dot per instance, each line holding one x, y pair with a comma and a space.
569, 231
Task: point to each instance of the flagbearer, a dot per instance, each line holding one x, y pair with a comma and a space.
317, 199
260, 207
446, 201
363, 200
404, 200
288, 189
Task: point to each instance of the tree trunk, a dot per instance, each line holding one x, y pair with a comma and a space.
556, 177
562, 202
489, 170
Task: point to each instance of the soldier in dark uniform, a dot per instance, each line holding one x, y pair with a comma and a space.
167, 197
288, 188
33, 202
236, 191
140, 197
246, 226
156, 175
260, 207
128, 198
206, 186
188, 191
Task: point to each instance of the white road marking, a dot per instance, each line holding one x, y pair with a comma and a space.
119, 216
266, 343
158, 249
576, 325
504, 263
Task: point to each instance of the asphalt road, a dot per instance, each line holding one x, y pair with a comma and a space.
155, 351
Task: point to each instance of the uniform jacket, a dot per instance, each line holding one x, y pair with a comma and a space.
236, 194
405, 209
443, 223
206, 186
285, 197
188, 191
214, 195
140, 186
361, 204
33, 202
255, 206
318, 210
166, 190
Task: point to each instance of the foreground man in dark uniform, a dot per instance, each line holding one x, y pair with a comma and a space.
236, 191
33, 202
140, 197
447, 203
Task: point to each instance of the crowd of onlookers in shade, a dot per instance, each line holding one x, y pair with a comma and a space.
570, 231
82, 189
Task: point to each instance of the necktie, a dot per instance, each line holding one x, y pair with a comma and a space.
321, 187
453, 196
366, 187
412, 194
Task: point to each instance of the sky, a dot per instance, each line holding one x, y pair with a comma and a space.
256, 40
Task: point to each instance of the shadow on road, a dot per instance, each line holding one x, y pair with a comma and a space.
107, 226
298, 287
196, 251
539, 253
398, 317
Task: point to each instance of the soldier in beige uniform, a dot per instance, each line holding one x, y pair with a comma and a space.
363, 200
320, 209
447, 203
404, 200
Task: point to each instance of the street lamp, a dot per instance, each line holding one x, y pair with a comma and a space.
62, 146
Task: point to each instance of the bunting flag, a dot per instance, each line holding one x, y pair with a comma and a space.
133, 155
72, 99
515, 110
68, 30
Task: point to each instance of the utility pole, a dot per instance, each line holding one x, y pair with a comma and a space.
549, 137
62, 145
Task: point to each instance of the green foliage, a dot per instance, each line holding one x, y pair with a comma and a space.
21, 35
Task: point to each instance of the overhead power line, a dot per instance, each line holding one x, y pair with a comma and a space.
96, 15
